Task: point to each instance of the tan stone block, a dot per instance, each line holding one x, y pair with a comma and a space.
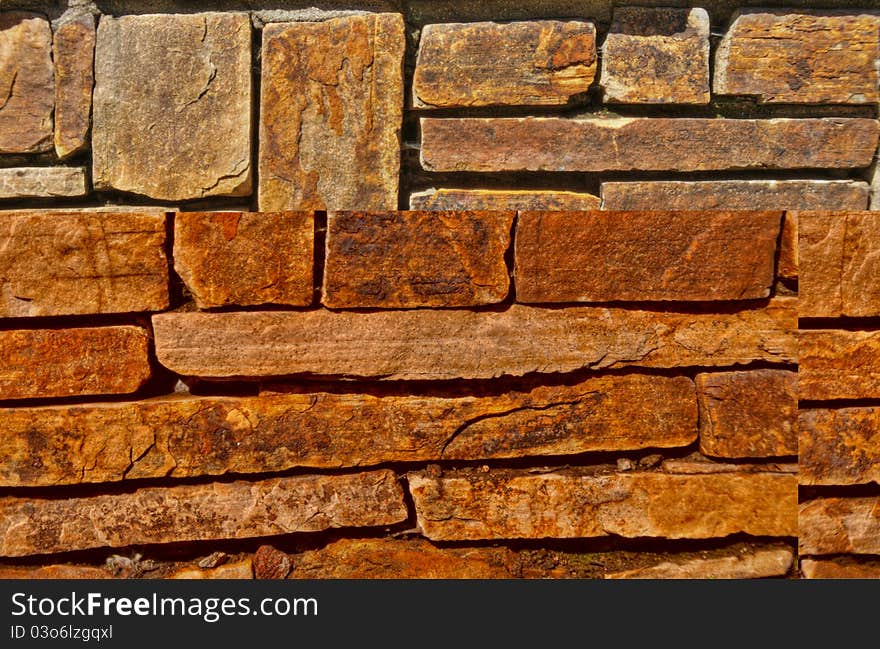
492, 199
763, 563
839, 569
73, 51
43, 182
839, 526
839, 447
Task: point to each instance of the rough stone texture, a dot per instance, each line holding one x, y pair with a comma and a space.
657, 56
735, 195
270, 563
73, 51
839, 253
450, 344
787, 264
748, 414
839, 364
237, 570
40, 363
331, 109
701, 464
82, 263
508, 64
644, 256
839, 447
414, 259
496, 199
245, 258
55, 571
875, 189
98, 209
839, 526
839, 569
570, 504
26, 83
766, 563
787, 57
232, 510
187, 436
645, 144
42, 182
173, 93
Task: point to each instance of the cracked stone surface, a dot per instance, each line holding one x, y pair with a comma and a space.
449, 344
748, 414
839, 526
73, 51
836, 364
645, 144
656, 56
644, 256
82, 263
416, 259
27, 95
760, 564
471, 505
43, 182
230, 510
490, 199
542, 62
331, 108
245, 258
187, 436
39, 363
786, 57
840, 446
173, 93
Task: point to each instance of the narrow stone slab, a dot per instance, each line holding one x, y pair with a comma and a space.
735, 195
416, 259
246, 258
839, 364
569, 504
237, 570
73, 51
657, 56
645, 144
40, 363
840, 256
544, 62
448, 344
173, 93
839, 569
331, 108
492, 199
790, 57
55, 571
161, 210
839, 447
839, 526
644, 256
761, 564
788, 264
232, 510
43, 182
26, 83
82, 263
748, 414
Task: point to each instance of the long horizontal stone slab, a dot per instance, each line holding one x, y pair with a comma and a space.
82, 263
645, 144
839, 447
502, 199
763, 563
449, 344
41, 363
193, 436
233, 510
839, 526
836, 364
567, 504
43, 182
644, 256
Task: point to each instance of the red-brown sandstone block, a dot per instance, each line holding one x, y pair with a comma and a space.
788, 264
748, 414
839, 364
573, 504
55, 571
53, 264
331, 108
73, 51
657, 56
500, 199
245, 258
784, 56
839, 526
414, 259
39, 363
648, 256
839, 568
764, 563
43, 182
187, 436
449, 344
839, 447
735, 195
543, 62
232, 510
645, 144
26, 83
